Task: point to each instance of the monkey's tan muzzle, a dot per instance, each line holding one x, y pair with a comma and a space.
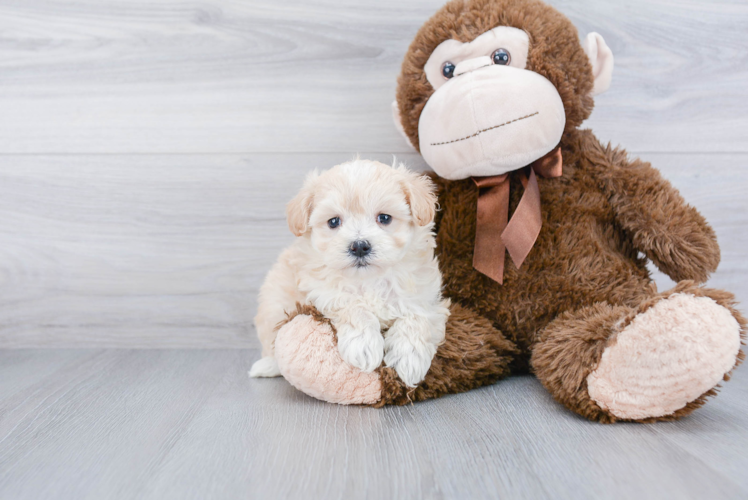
489, 120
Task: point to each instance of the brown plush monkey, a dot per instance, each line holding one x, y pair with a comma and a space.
492, 93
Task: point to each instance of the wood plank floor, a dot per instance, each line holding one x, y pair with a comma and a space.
190, 424
146, 152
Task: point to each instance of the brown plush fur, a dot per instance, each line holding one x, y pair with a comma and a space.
596, 218
474, 353
570, 348
584, 279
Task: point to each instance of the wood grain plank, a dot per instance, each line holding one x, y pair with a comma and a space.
25, 368
169, 251
166, 250
190, 424
716, 436
111, 404
108, 76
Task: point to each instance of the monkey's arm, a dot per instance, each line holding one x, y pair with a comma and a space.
671, 233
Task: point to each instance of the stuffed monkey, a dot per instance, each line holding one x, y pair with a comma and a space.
543, 234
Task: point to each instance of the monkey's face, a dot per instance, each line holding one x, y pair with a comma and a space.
489, 86
488, 114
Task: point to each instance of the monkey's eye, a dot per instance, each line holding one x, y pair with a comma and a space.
501, 56
448, 70
333, 223
384, 219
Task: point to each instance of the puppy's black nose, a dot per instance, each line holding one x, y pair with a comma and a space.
360, 248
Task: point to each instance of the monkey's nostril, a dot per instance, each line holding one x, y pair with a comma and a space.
360, 248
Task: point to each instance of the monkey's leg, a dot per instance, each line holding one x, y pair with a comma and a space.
473, 354
658, 361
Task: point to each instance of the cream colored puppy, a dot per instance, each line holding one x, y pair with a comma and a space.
364, 257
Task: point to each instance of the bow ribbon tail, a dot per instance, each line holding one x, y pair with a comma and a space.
523, 229
493, 234
493, 212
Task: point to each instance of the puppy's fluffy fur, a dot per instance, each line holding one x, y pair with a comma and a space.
386, 304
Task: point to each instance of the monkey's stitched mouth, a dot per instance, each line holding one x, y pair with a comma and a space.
484, 130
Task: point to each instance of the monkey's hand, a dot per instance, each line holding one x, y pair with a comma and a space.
671, 233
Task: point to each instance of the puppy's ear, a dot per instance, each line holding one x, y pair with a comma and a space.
420, 193
299, 209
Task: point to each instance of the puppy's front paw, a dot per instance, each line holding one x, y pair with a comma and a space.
410, 357
362, 347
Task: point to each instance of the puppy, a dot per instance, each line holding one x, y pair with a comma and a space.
364, 257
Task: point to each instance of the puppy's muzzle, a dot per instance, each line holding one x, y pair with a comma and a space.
360, 249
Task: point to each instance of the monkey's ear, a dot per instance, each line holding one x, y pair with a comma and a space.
399, 122
601, 58
299, 209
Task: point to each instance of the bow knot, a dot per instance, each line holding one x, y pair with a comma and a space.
495, 232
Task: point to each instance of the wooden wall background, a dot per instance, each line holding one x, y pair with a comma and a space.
147, 148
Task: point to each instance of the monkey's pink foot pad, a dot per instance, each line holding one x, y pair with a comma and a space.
667, 357
308, 358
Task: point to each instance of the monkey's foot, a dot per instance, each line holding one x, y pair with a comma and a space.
667, 357
309, 359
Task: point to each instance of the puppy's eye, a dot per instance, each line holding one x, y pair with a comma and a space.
501, 57
333, 223
448, 70
384, 219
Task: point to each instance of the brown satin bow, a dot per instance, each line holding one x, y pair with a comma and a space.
493, 233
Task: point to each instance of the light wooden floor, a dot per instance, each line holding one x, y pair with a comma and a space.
176, 424
146, 152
